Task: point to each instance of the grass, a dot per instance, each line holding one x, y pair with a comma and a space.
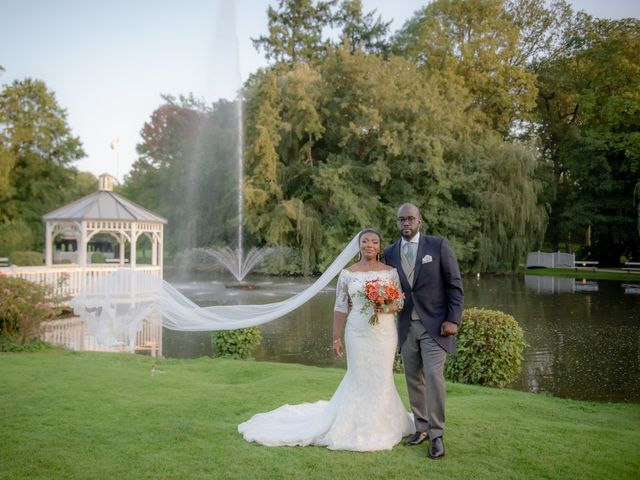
80, 415
587, 273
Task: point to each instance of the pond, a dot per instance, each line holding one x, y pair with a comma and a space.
583, 336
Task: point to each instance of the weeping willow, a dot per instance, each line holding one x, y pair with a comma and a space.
512, 220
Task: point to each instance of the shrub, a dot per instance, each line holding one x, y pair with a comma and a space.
14, 235
7, 345
236, 343
98, 257
23, 307
26, 259
490, 346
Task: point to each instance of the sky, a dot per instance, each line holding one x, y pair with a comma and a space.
108, 63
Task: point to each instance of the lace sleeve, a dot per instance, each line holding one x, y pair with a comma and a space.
396, 279
342, 294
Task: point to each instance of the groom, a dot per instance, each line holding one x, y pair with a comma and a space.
428, 323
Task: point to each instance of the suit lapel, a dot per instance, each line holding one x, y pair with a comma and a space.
420, 252
397, 258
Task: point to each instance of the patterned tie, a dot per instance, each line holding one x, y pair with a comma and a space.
408, 253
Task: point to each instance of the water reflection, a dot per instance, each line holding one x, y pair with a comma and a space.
631, 288
584, 337
540, 284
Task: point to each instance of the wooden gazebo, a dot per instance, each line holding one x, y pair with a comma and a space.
105, 212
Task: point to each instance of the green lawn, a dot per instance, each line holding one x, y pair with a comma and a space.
583, 273
68, 415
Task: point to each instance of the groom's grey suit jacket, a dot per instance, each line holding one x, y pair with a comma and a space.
436, 291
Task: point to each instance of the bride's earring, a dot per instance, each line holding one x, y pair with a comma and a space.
359, 256
378, 256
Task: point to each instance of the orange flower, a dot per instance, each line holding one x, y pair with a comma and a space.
380, 294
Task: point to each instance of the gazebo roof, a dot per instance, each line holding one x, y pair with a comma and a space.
103, 205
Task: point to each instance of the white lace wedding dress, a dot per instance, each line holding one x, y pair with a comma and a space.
365, 413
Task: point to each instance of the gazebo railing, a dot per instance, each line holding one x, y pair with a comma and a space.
69, 280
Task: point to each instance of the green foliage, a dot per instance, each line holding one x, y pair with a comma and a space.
590, 130
26, 259
477, 44
187, 163
295, 30
490, 345
512, 220
338, 146
37, 150
283, 261
34, 345
339, 134
23, 307
98, 257
14, 235
361, 31
237, 344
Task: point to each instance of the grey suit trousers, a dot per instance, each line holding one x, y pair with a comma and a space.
423, 362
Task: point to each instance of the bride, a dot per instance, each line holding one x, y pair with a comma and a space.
365, 413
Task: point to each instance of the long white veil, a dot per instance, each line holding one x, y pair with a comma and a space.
114, 307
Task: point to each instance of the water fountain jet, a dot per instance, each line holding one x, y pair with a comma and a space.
233, 261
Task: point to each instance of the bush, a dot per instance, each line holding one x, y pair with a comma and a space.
490, 346
236, 343
23, 307
36, 345
98, 257
26, 259
14, 235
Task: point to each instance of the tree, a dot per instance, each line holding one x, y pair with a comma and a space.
295, 31
486, 45
337, 146
588, 107
187, 159
37, 150
362, 31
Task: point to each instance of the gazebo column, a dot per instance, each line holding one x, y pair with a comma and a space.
161, 251
134, 240
82, 248
48, 245
121, 241
154, 251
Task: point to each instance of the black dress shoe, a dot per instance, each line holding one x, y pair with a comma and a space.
417, 438
436, 448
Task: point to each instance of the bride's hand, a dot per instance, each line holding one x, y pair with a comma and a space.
338, 347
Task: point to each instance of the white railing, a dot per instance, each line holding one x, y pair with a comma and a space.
72, 333
550, 260
69, 280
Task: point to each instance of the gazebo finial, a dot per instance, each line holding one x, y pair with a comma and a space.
105, 182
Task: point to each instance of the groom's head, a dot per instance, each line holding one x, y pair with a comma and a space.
409, 220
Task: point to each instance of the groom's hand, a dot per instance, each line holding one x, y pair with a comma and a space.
448, 328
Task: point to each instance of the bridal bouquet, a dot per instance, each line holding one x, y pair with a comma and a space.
382, 294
